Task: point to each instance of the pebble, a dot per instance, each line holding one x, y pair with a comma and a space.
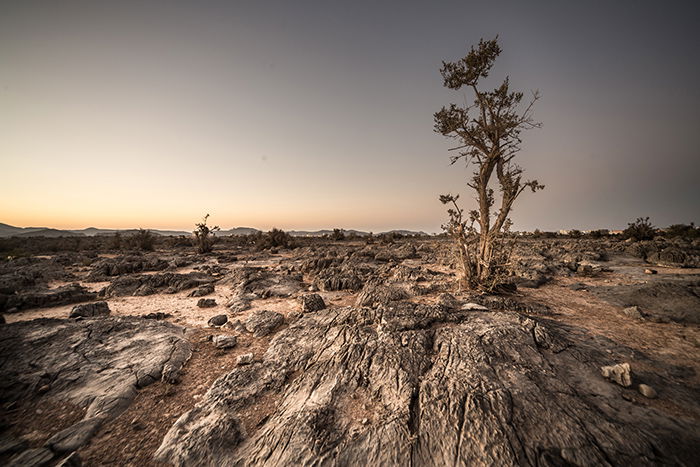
647, 391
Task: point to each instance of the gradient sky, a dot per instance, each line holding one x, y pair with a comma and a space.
307, 115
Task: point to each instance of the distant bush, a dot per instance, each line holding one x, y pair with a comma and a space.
142, 240
338, 235
116, 243
204, 236
683, 231
575, 233
600, 233
641, 229
275, 238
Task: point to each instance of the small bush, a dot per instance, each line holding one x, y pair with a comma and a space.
338, 235
600, 233
116, 243
683, 231
641, 229
275, 238
204, 236
143, 240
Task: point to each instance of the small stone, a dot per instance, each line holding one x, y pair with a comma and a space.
619, 374
136, 425
206, 303
224, 341
44, 388
448, 301
651, 271
404, 340
244, 359
474, 307
365, 421
218, 320
647, 391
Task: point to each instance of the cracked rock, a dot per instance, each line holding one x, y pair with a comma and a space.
462, 389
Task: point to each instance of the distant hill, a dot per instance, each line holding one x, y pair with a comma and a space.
238, 231
47, 233
7, 230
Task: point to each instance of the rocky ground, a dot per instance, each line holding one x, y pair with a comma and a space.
338, 353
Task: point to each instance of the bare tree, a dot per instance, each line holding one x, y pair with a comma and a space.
488, 131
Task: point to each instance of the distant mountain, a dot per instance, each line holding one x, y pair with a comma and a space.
406, 232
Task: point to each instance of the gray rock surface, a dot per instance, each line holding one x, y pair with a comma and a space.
263, 322
95, 364
416, 385
37, 457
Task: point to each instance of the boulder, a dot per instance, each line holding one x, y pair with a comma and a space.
244, 359
224, 341
90, 310
263, 322
633, 312
619, 374
311, 302
218, 320
202, 290
206, 303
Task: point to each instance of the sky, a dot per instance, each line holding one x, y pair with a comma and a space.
310, 115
